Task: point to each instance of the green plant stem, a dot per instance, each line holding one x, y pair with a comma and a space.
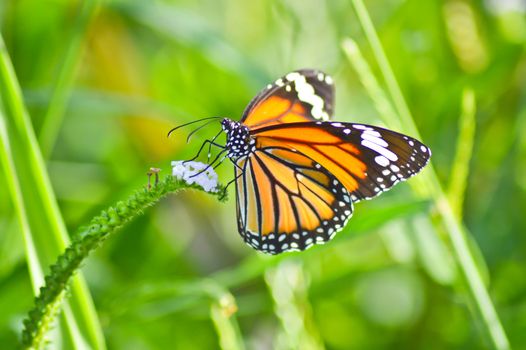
392, 85
288, 284
460, 170
58, 101
84, 242
43, 228
490, 320
222, 312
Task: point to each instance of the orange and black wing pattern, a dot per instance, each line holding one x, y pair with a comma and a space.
367, 160
298, 173
286, 201
300, 96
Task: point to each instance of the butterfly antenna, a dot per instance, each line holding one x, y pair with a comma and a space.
211, 143
197, 129
192, 122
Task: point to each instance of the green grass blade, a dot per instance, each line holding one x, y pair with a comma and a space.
222, 312
229, 338
435, 256
404, 115
481, 299
381, 101
58, 102
367, 78
14, 188
466, 137
288, 285
44, 230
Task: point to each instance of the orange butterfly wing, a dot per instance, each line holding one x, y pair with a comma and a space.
300, 96
367, 160
301, 173
286, 201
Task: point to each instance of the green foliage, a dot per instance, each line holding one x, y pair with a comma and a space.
40, 221
84, 242
102, 83
431, 186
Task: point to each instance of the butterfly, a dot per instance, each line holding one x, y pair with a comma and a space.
298, 174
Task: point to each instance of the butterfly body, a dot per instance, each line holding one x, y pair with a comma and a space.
298, 173
239, 143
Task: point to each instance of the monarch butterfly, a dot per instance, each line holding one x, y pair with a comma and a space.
297, 173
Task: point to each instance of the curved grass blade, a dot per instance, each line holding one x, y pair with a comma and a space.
430, 186
43, 227
62, 90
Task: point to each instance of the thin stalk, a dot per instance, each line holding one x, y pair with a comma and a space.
404, 115
65, 77
43, 228
288, 285
222, 312
481, 299
84, 242
381, 101
460, 170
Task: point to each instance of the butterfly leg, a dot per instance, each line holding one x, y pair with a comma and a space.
212, 163
220, 162
234, 180
219, 158
211, 143
235, 164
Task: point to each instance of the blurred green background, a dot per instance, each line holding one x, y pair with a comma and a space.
179, 276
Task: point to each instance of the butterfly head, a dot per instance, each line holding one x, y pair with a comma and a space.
238, 140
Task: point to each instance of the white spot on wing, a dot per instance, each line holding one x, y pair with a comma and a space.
379, 149
375, 139
381, 160
372, 133
307, 94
